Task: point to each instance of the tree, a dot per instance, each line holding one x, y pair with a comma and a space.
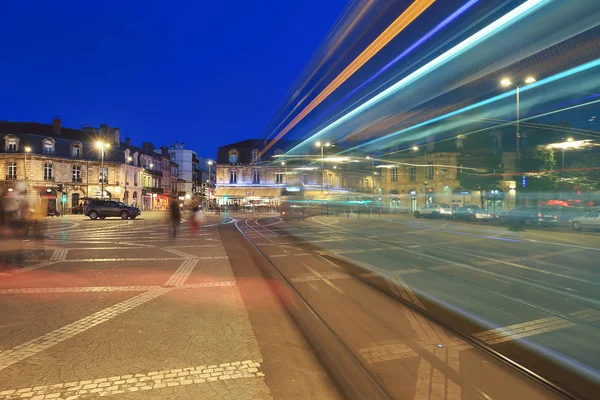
539, 168
584, 173
482, 171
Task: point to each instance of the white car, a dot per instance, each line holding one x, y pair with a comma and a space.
434, 211
590, 220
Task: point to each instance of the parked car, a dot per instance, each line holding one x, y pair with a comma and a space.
472, 213
542, 216
434, 211
589, 220
109, 208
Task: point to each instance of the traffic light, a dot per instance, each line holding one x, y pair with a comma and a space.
64, 198
60, 187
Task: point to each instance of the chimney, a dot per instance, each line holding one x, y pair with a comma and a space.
117, 138
128, 141
56, 125
165, 151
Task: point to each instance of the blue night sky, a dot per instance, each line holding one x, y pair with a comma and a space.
207, 72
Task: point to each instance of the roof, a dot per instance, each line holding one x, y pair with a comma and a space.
245, 148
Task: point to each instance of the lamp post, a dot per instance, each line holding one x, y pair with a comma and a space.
322, 146
372, 174
127, 161
426, 168
210, 163
27, 150
508, 83
283, 165
102, 146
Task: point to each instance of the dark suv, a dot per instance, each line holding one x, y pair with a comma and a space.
531, 216
109, 208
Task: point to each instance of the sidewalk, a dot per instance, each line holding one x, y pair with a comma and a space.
131, 313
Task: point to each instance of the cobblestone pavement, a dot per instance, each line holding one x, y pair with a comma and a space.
122, 309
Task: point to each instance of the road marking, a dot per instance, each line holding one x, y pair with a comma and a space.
182, 273
85, 289
27, 269
178, 252
398, 351
81, 289
44, 342
206, 285
59, 255
323, 278
141, 259
119, 384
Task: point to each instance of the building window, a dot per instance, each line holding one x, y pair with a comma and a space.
255, 156
48, 171
458, 169
412, 173
135, 179
76, 173
126, 177
279, 177
233, 176
256, 176
459, 141
103, 177
429, 170
11, 143
495, 142
12, 170
305, 179
233, 156
76, 149
394, 174
48, 145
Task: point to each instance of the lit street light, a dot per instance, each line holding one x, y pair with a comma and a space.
570, 144
27, 150
508, 83
322, 146
103, 147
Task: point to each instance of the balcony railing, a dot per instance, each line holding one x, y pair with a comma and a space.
149, 189
105, 180
153, 172
49, 178
11, 177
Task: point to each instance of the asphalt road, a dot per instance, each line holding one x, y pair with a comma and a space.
540, 286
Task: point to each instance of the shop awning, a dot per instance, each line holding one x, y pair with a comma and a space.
245, 192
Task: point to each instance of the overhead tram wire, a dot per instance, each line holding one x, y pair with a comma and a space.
405, 19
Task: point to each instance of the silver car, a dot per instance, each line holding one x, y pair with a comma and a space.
590, 220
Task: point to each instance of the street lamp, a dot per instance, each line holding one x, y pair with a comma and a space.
425, 168
508, 83
322, 146
27, 150
103, 147
570, 144
210, 163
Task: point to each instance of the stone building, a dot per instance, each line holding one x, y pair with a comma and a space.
65, 165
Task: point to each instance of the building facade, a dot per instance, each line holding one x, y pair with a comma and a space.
69, 166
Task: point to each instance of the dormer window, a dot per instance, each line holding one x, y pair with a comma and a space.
48, 146
136, 159
233, 156
11, 143
255, 156
76, 149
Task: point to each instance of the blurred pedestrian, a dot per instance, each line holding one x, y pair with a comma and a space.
196, 216
175, 216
